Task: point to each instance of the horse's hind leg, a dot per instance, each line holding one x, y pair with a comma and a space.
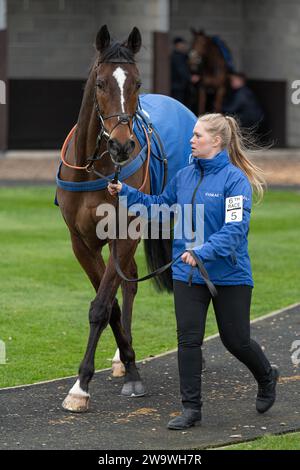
202, 100
133, 386
129, 290
220, 94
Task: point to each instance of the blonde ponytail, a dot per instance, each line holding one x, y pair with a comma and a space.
238, 146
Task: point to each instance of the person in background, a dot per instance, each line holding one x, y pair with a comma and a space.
180, 72
242, 102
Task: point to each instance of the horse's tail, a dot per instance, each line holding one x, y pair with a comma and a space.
158, 253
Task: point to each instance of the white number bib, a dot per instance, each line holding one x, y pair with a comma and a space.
234, 209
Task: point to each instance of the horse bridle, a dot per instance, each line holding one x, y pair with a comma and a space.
123, 119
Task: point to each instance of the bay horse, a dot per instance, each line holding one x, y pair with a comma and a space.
207, 61
102, 139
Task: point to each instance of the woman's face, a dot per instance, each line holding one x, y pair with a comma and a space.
203, 144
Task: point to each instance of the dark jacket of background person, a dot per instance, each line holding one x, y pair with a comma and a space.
243, 104
180, 76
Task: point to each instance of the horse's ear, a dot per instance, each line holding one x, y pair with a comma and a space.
102, 39
193, 31
134, 40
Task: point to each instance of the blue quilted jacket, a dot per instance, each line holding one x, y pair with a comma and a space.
224, 197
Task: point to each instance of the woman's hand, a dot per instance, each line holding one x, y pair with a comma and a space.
188, 259
114, 188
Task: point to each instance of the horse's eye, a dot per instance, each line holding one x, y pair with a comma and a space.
138, 85
100, 84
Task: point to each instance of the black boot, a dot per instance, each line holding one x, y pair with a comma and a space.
187, 419
267, 392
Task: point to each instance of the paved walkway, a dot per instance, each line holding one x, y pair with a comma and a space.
31, 417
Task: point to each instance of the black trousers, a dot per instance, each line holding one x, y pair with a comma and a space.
232, 310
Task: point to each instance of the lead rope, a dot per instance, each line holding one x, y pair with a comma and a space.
193, 225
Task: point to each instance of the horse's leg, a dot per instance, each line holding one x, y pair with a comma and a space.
133, 386
129, 290
202, 100
91, 261
100, 314
220, 93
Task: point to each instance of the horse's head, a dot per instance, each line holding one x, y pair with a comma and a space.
116, 91
200, 42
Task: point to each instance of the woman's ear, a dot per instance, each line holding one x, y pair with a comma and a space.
217, 141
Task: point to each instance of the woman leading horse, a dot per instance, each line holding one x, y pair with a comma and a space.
220, 178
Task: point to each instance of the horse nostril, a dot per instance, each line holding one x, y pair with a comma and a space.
113, 147
129, 146
120, 151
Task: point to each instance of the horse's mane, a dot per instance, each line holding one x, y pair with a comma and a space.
117, 52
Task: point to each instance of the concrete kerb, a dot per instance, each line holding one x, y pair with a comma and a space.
271, 154
30, 155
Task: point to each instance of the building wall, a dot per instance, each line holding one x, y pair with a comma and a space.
2, 14
271, 50
264, 36
51, 49
3, 81
54, 38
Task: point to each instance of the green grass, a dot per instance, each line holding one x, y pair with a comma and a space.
282, 442
45, 295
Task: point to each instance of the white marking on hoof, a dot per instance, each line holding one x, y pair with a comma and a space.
116, 357
77, 390
118, 369
76, 403
77, 399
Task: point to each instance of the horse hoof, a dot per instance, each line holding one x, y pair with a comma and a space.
76, 403
133, 389
118, 369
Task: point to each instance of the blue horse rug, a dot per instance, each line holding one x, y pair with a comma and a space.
173, 127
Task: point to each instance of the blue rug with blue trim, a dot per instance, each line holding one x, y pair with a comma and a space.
174, 124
